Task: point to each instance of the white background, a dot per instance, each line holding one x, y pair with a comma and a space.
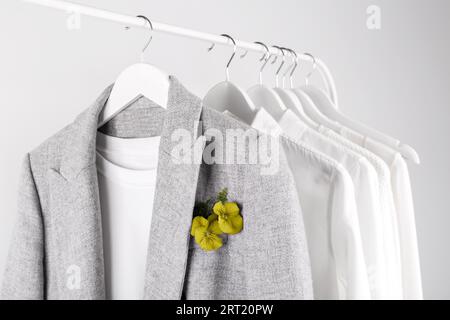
396, 79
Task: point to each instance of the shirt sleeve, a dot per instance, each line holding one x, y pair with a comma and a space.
24, 273
367, 197
412, 282
351, 271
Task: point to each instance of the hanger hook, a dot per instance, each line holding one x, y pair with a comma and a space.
266, 54
232, 56
266, 57
244, 54
314, 66
294, 67
281, 65
151, 35
283, 78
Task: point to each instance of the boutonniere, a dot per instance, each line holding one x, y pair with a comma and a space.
214, 218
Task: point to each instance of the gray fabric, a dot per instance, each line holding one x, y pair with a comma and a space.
143, 118
59, 221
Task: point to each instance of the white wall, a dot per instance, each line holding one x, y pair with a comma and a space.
396, 79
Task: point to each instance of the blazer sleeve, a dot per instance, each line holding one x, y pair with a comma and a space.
24, 273
351, 272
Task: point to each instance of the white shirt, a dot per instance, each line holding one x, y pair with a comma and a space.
327, 198
365, 182
127, 178
391, 242
401, 188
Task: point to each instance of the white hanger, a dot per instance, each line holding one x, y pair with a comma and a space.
306, 109
313, 112
226, 96
136, 81
289, 98
265, 97
327, 107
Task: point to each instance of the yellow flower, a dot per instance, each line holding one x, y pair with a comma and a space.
198, 222
229, 219
224, 218
206, 233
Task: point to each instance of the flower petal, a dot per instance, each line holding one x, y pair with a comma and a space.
238, 223
214, 227
200, 233
212, 217
231, 208
231, 225
219, 208
198, 222
209, 241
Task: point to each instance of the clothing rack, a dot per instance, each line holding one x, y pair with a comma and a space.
189, 33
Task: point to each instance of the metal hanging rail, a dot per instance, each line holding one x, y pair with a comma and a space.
188, 33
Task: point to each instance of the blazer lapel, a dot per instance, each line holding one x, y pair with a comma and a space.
176, 187
75, 207
76, 227
74, 215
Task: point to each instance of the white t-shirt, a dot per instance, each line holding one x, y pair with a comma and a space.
127, 178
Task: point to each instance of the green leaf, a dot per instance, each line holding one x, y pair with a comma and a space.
202, 209
223, 195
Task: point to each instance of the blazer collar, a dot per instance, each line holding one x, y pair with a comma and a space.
183, 112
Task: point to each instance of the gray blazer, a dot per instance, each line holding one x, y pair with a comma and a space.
59, 220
